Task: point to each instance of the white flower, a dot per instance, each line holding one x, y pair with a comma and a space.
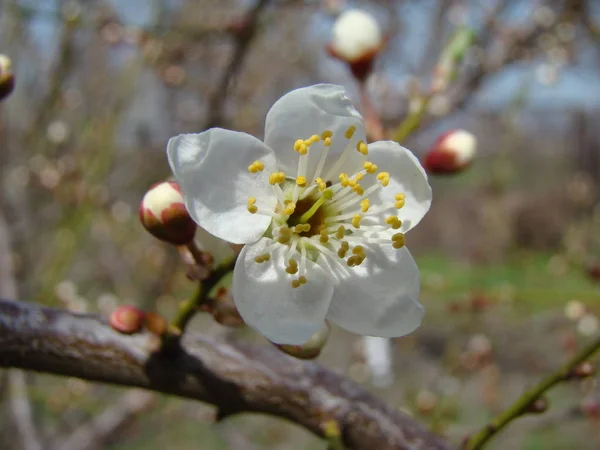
355, 35
324, 225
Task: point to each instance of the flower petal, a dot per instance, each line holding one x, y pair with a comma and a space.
380, 296
266, 300
407, 176
305, 112
212, 170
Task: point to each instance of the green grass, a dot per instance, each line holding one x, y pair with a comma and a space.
527, 279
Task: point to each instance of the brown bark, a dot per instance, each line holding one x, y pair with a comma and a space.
235, 377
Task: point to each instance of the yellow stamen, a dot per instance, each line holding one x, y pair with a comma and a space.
398, 240
255, 167
276, 178
322, 185
290, 208
326, 134
356, 221
400, 201
350, 132
324, 238
327, 142
359, 250
315, 138
362, 148
296, 284
252, 208
394, 222
370, 167
301, 181
365, 205
302, 279
262, 258
343, 177
341, 232
384, 177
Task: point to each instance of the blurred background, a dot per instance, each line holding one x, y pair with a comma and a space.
509, 253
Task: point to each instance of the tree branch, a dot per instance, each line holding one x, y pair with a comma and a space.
235, 377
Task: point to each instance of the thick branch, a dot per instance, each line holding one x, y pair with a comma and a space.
233, 376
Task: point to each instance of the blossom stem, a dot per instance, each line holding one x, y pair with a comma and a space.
413, 121
525, 401
189, 307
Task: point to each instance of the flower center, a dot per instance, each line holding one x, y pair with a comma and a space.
330, 216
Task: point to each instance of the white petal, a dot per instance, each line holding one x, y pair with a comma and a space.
212, 170
380, 296
407, 176
266, 300
308, 111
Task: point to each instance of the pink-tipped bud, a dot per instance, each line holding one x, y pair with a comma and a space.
156, 324
357, 40
7, 79
127, 319
310, 349
163, 214
452, 152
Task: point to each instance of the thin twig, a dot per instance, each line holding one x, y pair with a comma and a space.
103, 427
243, 40
524, 402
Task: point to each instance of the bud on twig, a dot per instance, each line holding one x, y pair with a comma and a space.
127, 319
310, 349
7, 79
538, 406
163, 214
356, 40
451, 153
156, 324
584, 370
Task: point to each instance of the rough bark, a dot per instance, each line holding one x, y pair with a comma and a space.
235, 377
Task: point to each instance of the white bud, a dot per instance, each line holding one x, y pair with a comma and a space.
574, 310
356, 35
452, 152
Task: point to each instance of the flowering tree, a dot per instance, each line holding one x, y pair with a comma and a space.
293, 232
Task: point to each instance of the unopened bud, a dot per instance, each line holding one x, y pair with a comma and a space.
127, 319
156, 324
538, 406
163, 214
7, 79
356, 40
310, 349
584, 370
451, 153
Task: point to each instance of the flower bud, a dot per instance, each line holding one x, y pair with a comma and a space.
156, 324
310, 349
356, 40
7, 79
538, 406
127, 319
163, 214
451, 153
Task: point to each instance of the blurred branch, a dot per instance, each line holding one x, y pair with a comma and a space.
235, 377
243, 39
102, 428
525, 402
18, 394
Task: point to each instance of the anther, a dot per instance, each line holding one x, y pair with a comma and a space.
350, 132
400, 201
315, 138
255, 167
322, 185
356, 220
365, 205
324, 238
296, 284
362, 148
341, 232
289, 208
354, 260
394, 222
326, 134
301, 181
302, 279
262, 258
343, 177
327, 142
398, 240
358, 250
276, 178
252, 208
384, 177
370, 167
